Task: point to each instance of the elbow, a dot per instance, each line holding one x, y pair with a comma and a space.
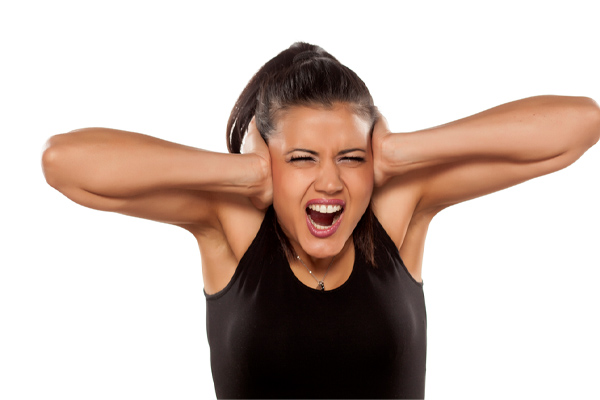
52, 154
594, 118
585, 128
588, 118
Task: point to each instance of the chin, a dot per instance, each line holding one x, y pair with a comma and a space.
323, 248
318, 232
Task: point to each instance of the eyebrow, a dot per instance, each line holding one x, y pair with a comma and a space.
316, 153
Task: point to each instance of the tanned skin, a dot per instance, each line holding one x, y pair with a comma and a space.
409, 177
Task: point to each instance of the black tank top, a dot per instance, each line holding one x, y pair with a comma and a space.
271, 336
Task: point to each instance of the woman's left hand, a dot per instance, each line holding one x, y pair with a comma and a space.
262, 182
380, 132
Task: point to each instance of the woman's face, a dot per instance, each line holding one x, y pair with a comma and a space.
322, 176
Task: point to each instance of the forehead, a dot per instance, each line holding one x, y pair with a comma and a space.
322, 126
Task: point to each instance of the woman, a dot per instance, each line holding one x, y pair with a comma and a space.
312, 238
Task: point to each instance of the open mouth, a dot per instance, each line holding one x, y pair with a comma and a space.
322, 216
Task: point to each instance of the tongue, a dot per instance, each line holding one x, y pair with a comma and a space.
321, 218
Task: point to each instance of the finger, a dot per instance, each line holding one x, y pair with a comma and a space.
252, 125
247, 140
382, 123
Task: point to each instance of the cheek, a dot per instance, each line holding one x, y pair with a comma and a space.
360, 184
289, 189
287, 184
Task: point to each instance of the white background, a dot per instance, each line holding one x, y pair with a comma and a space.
95, 305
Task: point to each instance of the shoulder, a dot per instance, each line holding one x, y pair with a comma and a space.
396, 204
233, 224
240, 221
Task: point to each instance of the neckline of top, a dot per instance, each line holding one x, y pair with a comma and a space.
289, 270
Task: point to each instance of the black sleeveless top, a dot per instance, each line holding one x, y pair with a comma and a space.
271, 336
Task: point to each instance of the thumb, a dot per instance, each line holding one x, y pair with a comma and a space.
248, 143
381, 123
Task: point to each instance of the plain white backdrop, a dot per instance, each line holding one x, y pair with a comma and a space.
95, 305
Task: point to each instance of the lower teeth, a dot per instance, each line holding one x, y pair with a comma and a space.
322, 227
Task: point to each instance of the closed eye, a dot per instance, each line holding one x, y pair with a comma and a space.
354, 159
301, 158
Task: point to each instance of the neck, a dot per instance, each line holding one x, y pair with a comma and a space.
321, 264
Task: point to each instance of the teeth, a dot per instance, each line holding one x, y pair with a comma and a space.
329, 209
321, 227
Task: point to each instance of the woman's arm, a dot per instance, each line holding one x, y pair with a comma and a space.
147, 177
489, 151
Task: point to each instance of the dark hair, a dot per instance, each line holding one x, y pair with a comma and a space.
302, 75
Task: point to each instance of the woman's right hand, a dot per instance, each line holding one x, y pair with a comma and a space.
254, 144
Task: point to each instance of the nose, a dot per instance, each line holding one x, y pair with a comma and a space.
328, 180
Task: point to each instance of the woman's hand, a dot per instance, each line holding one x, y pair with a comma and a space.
254, 144
380, 132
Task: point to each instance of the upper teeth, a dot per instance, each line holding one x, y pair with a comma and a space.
325, 209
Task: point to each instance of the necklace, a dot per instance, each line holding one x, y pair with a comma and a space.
320, 284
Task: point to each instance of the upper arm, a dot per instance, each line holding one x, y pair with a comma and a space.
445, 185
190, 209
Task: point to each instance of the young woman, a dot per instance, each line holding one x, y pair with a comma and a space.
312, 229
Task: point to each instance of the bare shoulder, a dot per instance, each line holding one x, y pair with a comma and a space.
224, 241
240, 221
396, 204
397, 207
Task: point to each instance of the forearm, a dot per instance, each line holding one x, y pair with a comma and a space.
115, 163
526, 130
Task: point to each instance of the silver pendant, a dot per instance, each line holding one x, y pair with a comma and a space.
321, 286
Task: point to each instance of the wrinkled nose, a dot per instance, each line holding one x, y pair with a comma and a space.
329, 181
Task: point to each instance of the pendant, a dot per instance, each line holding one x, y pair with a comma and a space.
321, 286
